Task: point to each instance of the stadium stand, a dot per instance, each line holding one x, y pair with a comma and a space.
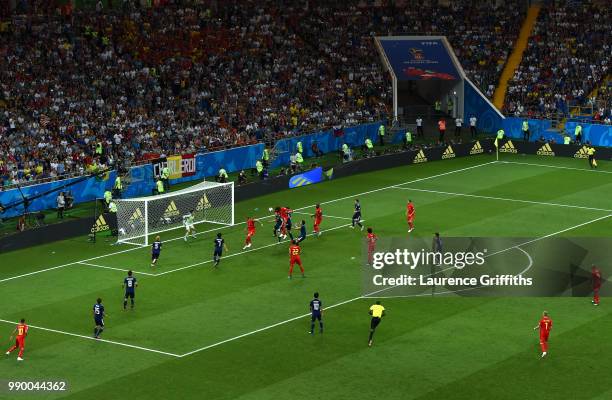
565, 61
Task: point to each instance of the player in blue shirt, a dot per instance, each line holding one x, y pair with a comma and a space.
357, 215
155, 250
302, 232
316, 308
129, 284
278, 223
219, 247
98, 314
289, 222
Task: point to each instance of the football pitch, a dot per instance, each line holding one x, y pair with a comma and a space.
241, 330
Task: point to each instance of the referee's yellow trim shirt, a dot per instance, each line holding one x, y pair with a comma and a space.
377, 310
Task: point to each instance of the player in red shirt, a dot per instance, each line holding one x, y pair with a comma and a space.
410, 215
20, 333
284, 214
294, 258
596, 278
318, 218
371, 238
250, 231
545, 325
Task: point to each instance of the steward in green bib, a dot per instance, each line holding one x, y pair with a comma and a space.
259, 166
381, 134
449, 106
117, 187
266, 156
407, 139
369, 147
165, 177
108, 197
525, 129
299, 159
346, 152
300, 148
222, 176
112, 207
567, 139
159, 185
99, 148
578, 134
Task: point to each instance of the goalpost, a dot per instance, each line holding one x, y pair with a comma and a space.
141, 217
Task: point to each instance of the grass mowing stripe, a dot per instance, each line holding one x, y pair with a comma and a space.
92, 338
241, 223
554, 166
543, 203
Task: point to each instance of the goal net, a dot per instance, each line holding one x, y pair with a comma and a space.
142, 217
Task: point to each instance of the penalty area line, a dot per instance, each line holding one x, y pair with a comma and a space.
116, 269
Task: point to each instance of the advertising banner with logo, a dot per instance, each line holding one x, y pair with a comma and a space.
307, 178
43, 196
415, 59
511, 146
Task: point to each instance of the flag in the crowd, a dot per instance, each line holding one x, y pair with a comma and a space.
496, 144
338, 131
329, 173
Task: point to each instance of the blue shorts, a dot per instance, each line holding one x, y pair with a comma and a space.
357, 216
154, 256
316, 315
218, 252
99, 321
130, 294
289, 224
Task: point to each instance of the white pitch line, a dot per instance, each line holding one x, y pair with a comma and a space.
116, 269
555, 166
92, 338
242, 223
324, 216
248, 251
375, 292
543, 203
553, 234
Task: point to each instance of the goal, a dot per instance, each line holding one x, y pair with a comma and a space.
140, 218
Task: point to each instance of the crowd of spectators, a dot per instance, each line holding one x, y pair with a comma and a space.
567, 57
83, 89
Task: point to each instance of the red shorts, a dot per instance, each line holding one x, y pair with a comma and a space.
295, 260
410, 219
317, 222
20, 341
251, 232
544, 337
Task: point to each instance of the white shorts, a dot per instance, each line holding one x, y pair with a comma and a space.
190, 227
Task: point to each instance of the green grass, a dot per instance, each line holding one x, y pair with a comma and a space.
429, 348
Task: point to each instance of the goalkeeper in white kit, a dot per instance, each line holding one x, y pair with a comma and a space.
188, 221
